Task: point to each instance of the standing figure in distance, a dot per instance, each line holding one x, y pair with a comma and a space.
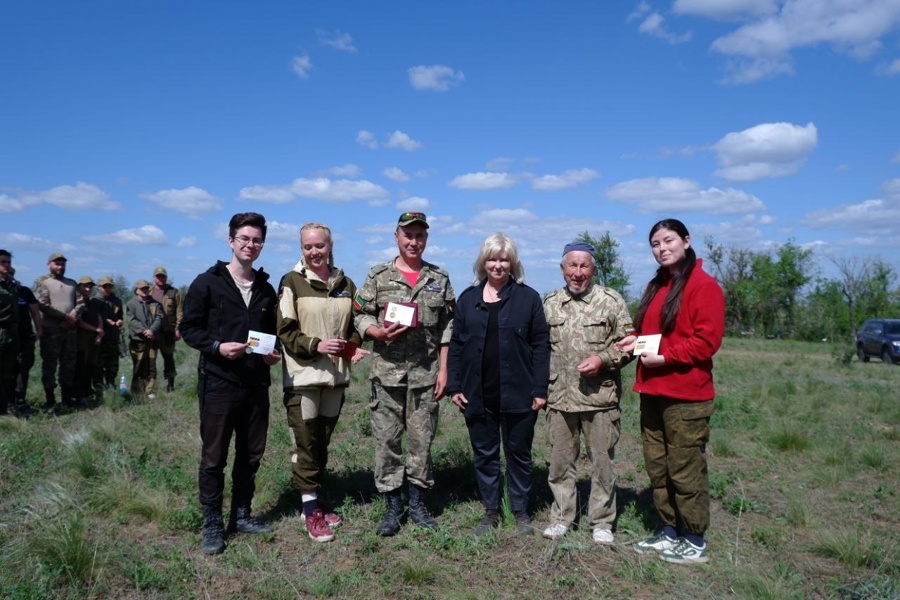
223, 305
90, 335
56, 294
687, 307
409, 368
29, 312
315, 326
499, 367
112, 314
173, 311
9, 331
144, 316
585, 388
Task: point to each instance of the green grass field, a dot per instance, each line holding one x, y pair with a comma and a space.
101, 503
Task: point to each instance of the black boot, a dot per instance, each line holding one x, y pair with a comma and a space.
393, 509
170, 384
418, 512
50, 404
243, 522
213, 530
21, 408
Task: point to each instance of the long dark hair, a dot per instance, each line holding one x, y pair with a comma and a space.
663, 275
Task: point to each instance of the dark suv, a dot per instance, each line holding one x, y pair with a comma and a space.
879, 337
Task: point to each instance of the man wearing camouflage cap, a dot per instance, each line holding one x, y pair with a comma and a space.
173, 308
585, 320
409, 368
89, 336
144, 317
56, 294
113, 314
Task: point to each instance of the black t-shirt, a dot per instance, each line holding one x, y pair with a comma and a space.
490, 360
26, 298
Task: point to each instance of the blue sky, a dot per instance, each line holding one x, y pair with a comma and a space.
130, 132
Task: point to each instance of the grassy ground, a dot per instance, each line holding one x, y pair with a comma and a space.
101, 503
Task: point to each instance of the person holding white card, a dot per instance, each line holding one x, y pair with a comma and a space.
222, 306
315, 326
686, 307
586, 319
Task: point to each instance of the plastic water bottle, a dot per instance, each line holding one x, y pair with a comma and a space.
123, 385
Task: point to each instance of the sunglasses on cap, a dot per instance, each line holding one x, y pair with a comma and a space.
412, 217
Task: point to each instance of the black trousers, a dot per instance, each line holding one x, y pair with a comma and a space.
516, 432
225, 409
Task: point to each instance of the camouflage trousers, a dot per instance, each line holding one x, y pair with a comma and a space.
601, 433
675, 434
312, 414
108, 363
143, 379
59, 348
396, 410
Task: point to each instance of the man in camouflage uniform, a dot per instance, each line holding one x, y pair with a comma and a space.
144, 317
89, 336
585, 387
173, 309
56, 294
9, 331
112, 313
409, 368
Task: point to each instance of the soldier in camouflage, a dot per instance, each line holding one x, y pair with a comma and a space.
409, 368
585, 387
113, 315
56, 294
173, 309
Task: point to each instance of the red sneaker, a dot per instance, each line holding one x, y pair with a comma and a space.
317, 528
331, 519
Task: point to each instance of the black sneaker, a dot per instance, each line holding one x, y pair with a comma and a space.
22, 409
490, 520
523, 524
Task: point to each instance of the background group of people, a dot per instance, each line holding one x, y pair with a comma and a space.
81, 335
498, 350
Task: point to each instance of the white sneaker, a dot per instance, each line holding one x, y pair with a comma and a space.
151, 396
556, 531
603, 536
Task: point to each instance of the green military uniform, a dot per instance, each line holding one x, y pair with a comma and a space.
57, 298
9, 347
172, 311
580, 327
109, 354
404, 371
140, 316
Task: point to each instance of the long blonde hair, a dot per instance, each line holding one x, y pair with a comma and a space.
494, 244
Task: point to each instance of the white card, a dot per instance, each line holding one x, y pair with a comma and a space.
647, 343
260, 343
400, 313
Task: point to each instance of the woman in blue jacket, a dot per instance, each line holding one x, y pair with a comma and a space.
499, 365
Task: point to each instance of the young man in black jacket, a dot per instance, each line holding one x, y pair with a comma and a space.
223, 305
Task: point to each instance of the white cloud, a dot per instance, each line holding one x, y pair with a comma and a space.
367, 139
670, 194
655, 25
640, 11
191, 200
341, 190
438, 78
337, 40
414, 203
81, 196
766, 150
348, 170
877, 217
285, 232
301, 66
569, 179
725, 9
267, 193
893, 68
762, 48
484, 181
9, 204
501, 163
23, 241
401, 140
395, 174
187, 241
148, 235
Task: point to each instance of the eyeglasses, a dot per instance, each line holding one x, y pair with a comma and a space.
243, 240
411, 216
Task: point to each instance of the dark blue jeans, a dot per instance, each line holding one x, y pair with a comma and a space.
516, 432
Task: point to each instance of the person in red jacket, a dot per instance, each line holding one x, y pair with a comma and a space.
687, 307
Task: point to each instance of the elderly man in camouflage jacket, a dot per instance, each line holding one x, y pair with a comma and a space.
585, 387
409, 368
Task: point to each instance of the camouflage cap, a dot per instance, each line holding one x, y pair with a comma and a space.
106, 280
141, 283
408, 218
160, 271
57, 256
86, 279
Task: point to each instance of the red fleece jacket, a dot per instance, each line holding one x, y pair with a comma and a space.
689, 348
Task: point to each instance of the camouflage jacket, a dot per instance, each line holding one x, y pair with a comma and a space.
580, 327
9, 310
57, 302
413, 359
173, 306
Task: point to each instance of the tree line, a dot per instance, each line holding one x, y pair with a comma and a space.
778, 292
